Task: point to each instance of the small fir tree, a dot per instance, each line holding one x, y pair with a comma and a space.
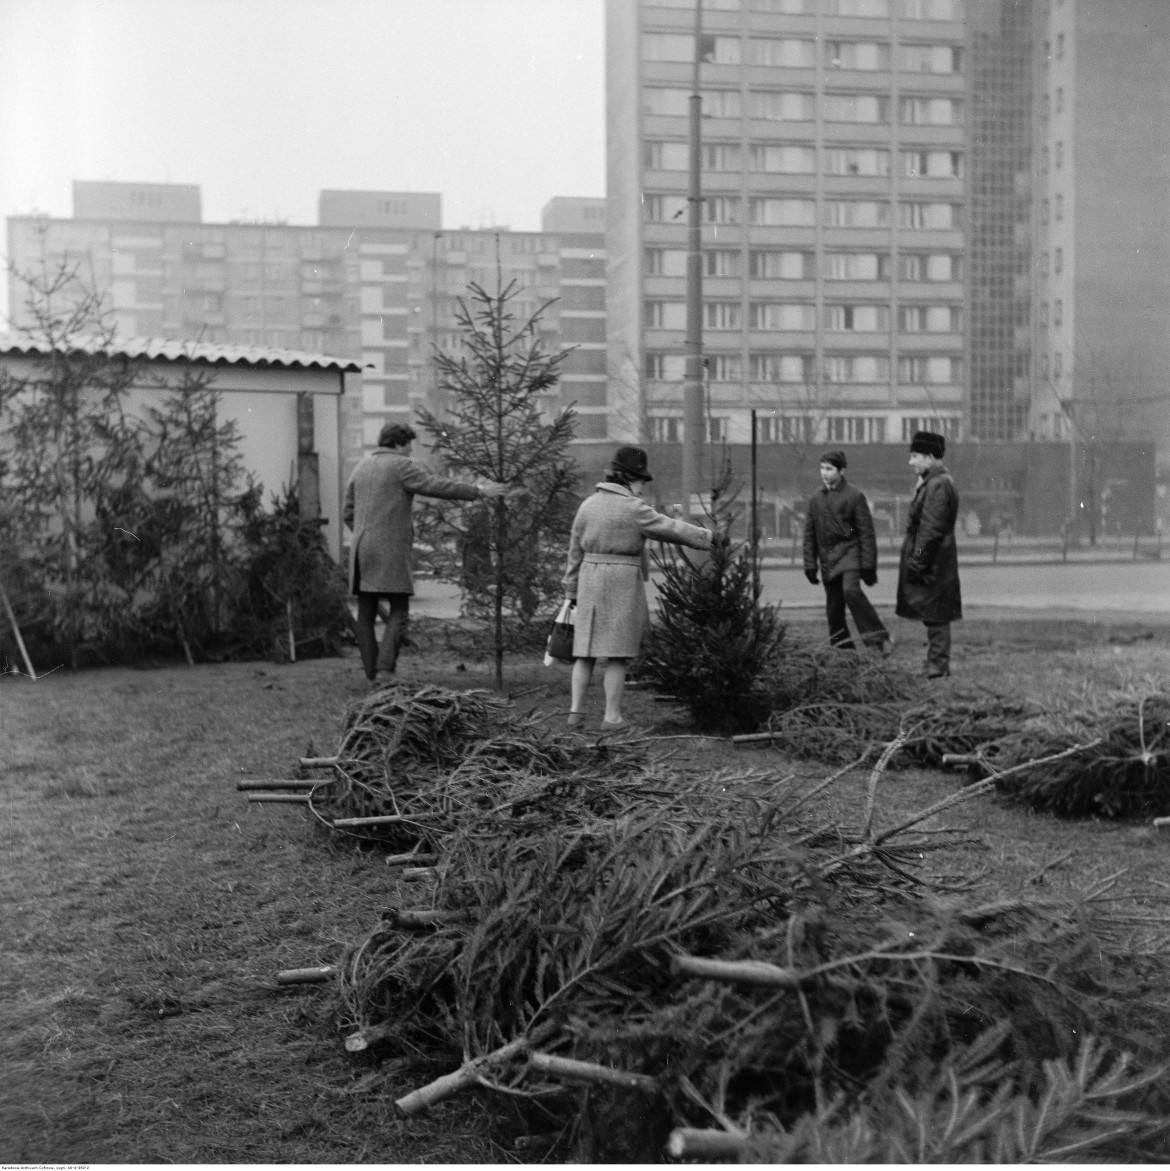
506, 554
712, 642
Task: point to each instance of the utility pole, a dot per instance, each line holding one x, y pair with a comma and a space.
693, 431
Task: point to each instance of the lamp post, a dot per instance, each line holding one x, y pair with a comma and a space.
693, 437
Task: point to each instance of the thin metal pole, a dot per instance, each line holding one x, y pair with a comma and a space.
693, 437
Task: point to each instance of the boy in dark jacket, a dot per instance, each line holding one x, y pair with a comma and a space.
839, 539
928, 570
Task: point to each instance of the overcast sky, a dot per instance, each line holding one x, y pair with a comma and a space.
498, 105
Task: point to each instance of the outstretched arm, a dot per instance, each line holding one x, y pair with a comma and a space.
420, 483
656, 526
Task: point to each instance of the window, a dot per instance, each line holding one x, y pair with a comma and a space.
721, 262
946, 425
932, 9
681, 47
782, 212
859, 108
664, 208
782, 106
857, 318
857, 161
1058, 208
665, 156
939, 370
783, 315
1045, 160
785, 52
1044, 211
1042, 319
721, 315
930, 59
766, 367
932, 164
856, 368
784, 266
856, 266
721, 209
1059, 100
774, 159
919, 216
1057, 311
1060, 46
930, 319
665, 429
1043, 263
1057, 364
930, 112
861, 55
1059, 154
1058, 261
716, 428
724, 367
856, 213
666, 315
784, 7
864, 9
711, 5
720, 156
721, 103
665, 367
666, 262
855, 429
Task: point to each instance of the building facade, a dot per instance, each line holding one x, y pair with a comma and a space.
916, 213
376, 280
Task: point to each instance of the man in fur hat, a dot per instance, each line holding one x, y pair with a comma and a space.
839, 541
928, 570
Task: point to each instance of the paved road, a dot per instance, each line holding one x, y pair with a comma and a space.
1139, 587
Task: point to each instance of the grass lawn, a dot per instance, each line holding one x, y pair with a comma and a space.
147, 906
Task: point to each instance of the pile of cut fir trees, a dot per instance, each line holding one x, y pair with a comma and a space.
636, 961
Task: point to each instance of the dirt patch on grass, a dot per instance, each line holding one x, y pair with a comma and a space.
147, 906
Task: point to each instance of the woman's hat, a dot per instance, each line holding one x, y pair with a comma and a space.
929, 443
630, 461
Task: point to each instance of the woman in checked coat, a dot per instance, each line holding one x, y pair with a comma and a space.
606, 575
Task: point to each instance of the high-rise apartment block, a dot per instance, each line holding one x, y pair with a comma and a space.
376, 280
949, 214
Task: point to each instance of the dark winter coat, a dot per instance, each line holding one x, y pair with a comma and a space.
838, 532
378, 502
928, 571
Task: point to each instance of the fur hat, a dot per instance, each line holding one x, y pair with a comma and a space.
630, 462
929, 443
836, 458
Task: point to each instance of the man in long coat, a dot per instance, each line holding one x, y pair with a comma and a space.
839, 541
378, 502
928, 570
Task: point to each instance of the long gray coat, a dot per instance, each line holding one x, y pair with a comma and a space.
608, 567
928, 569
378, 501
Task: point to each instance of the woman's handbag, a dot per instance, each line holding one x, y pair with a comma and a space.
560, 639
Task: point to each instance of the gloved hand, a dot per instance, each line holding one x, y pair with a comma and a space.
869, 578
811, 574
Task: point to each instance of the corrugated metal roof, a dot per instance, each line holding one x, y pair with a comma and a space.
168, 350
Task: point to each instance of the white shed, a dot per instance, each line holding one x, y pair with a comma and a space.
286, 404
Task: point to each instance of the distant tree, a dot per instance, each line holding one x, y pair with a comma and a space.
506, 554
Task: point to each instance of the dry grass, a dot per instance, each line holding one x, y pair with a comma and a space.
147, 906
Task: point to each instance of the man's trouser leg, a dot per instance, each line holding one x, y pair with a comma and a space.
367, 612
869, 626
938, 649
835, 613
395, 628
